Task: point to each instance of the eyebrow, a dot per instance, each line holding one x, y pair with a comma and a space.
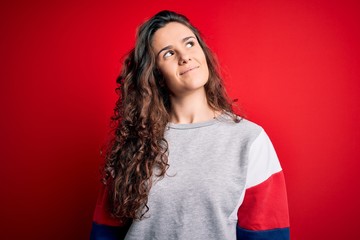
170, 46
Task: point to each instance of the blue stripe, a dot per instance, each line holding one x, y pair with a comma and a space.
273, 234
104, 232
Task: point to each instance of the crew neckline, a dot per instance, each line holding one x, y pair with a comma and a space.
197, 124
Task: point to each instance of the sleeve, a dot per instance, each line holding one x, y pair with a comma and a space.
104, 226
263, 214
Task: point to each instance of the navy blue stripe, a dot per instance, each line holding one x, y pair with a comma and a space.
273, 234
104, 232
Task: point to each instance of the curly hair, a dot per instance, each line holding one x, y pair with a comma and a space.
138, 150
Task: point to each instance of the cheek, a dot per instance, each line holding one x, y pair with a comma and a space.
168, 71
207, 71
207, 67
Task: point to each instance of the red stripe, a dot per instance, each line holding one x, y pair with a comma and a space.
265, 205
102, 214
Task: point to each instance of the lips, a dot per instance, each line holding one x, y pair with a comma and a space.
188, 70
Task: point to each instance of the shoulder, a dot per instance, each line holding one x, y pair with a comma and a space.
243, 128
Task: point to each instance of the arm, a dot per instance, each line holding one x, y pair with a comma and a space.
104, 226
263, 214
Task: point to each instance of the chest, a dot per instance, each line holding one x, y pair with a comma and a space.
206, 174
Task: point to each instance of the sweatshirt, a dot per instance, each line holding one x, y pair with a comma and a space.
224, 181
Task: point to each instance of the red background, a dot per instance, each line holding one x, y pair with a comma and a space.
293, 65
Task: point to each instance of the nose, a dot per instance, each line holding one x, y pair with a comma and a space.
184, 58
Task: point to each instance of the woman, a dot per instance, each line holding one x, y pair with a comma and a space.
181, 164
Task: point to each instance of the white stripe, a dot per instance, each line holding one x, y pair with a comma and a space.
263, 161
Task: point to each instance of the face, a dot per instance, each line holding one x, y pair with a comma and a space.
180, 59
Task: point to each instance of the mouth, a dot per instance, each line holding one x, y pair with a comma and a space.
189, 69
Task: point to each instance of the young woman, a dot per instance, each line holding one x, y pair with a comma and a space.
181, 164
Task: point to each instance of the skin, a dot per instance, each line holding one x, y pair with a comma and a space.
182, 62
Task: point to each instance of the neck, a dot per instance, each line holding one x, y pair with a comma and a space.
191, 109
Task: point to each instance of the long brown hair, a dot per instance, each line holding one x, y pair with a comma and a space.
138, 149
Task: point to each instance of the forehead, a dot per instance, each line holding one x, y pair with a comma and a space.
170, 34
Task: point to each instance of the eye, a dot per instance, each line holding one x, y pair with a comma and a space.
168, 54
190, 44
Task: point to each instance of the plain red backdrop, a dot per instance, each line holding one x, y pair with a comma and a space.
293, 65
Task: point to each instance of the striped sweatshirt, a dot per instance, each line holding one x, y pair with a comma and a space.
224, 182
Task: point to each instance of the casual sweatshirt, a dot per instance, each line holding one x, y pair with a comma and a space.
224, 182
